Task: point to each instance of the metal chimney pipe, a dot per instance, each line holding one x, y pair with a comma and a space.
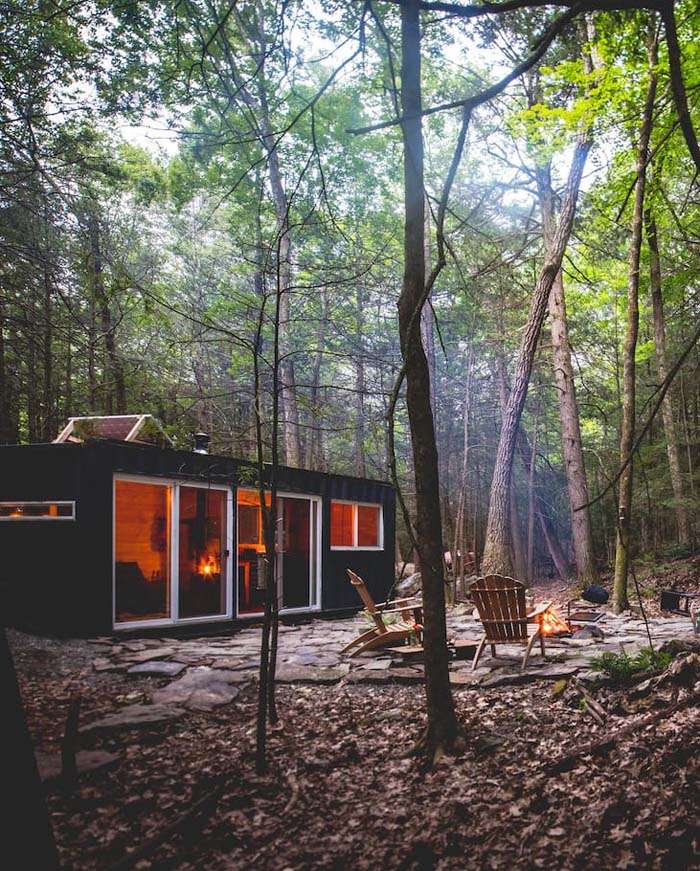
201, 443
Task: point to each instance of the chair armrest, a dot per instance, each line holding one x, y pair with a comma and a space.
399, 610
408, 602
539, 610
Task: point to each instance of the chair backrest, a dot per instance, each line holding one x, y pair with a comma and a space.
366, 597
501, 605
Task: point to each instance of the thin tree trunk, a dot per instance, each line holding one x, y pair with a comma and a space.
666, 407
100, 293
360, 466
496, 558
531, 505
622, 548
516, 539
48, 422
459, 552
572, 449
443, 728
5, 423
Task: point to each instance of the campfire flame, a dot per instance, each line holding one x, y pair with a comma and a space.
208, 566
551, 622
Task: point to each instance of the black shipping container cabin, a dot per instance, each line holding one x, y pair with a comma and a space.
104, 535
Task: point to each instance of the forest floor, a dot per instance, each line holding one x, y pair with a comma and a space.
539, 784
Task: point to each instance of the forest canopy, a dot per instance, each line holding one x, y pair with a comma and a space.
202, 205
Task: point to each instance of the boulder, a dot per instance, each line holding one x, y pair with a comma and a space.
409, 586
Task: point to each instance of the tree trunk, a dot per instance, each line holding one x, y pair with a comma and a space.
48, 422
622, 547
496, 558
443, 728
572, 449
288, 395
666, 407
5, 422
360, 466
100, 293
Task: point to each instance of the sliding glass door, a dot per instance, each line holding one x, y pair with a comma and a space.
171, 552
297, 569
202, 552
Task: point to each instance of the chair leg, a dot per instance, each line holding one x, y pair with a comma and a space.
544, 655
528, 649
493, 651
479, 651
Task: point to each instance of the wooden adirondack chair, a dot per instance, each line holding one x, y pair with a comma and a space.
500, 602
384, 633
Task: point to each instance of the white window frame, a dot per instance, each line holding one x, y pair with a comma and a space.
35, 502
356, 504
175, 619
315, 590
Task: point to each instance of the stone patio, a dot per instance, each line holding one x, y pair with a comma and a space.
209, 672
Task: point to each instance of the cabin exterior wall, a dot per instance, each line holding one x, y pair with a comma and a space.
57, 576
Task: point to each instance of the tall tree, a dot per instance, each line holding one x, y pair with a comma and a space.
659, 321
443, 728
496, 559
627, 428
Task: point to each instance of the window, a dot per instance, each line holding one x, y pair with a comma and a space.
356, 526
37, 510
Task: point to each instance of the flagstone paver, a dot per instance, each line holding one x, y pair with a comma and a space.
210, 672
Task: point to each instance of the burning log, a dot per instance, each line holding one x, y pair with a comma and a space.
551, 623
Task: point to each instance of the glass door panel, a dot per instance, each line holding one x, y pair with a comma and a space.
296, 552
201, 552
251, 548
141, 551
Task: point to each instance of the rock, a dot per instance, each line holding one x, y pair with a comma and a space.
148, 655
101, 665
547, 672
375, 664
406, 675
308, 674
199, 689
464, 678
50, 766
135, 717
158, 668
371, 677
408, 586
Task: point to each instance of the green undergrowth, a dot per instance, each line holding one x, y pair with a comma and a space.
622, 667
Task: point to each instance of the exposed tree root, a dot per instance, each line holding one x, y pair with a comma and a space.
433, 749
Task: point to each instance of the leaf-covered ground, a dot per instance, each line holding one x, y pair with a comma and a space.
341, 794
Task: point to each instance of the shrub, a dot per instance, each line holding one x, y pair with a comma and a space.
621, 667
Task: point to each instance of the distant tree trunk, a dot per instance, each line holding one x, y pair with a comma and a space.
288, 394
5, 402
622, 547
443, 729
667, 407
314, 444
360, 466
32, 388
516, 538
572, 449
496, 559
531, 505
48, 422
459, 551
106, 324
